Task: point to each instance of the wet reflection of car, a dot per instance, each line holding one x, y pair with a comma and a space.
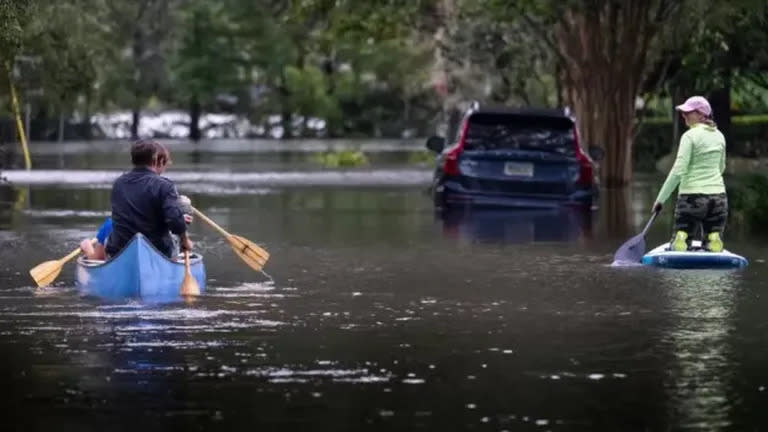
514, 158
563, 225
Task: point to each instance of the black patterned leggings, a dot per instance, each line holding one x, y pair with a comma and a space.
700, 214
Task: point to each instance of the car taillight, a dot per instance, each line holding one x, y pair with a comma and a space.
586, 170
451, 166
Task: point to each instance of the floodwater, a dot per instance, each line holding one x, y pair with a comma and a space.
374, 314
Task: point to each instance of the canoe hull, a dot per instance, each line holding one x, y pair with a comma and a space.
661, 257
138, 271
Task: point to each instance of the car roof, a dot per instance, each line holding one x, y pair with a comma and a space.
534, 112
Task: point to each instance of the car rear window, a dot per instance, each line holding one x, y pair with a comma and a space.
523, 132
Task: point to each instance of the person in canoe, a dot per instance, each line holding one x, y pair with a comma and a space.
143, 201
698, 170
97, 251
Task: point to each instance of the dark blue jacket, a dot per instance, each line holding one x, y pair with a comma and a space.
145, 202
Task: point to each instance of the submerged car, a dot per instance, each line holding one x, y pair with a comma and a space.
520, 158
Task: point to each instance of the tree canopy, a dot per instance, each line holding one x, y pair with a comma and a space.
387, 67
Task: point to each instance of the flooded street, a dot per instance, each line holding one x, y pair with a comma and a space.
374, 312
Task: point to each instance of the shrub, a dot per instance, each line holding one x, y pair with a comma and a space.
344, 158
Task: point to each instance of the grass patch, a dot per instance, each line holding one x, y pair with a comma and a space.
344, 158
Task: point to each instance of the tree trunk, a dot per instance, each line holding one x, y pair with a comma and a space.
195, 110
138, 54
675, 118
135, 124
603, 50
286, 119
27, 118
287, 123
88, 133
720, 100
441, 73
60, 135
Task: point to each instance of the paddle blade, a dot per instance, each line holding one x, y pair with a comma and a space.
248, 251
189, 286
632, 251
44, 274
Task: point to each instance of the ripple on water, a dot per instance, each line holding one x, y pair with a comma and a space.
286, 375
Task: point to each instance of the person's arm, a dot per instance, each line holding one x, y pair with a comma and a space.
680, 167
722, 162
172, 214
99, 252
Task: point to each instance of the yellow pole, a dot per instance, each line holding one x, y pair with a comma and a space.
19, 124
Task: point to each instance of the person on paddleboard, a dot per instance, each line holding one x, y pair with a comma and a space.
143, 201
698, 170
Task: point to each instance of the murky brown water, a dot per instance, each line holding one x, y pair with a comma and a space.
379, 316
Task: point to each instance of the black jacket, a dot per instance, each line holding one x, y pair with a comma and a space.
145, 202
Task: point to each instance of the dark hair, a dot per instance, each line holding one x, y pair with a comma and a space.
145, 152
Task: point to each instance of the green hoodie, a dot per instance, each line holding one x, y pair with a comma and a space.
699, 165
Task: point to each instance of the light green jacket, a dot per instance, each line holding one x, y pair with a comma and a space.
699, 165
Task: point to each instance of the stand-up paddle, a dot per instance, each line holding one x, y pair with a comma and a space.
632, 251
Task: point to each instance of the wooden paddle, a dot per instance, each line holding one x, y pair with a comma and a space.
45, 273
189, 286
248, 251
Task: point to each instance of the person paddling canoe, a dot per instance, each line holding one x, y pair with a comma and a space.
698, 170
97, 251
143, 201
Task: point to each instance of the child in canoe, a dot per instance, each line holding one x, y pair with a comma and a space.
96, 251
698, 170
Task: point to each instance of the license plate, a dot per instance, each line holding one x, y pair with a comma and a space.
518, 169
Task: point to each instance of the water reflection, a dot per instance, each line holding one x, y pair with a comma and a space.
616, 211
517, 226
702, 304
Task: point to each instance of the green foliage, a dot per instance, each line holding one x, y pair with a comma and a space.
14, 18
749, 138
206, 61
343, 158
368, 68
423, 157
748, 199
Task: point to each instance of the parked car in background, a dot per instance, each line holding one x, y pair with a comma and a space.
522, 158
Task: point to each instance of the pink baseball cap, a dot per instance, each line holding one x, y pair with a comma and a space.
695, 103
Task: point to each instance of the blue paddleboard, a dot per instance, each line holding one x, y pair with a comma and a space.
696, 259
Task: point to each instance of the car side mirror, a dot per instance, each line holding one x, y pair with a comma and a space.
596, 153
436, 143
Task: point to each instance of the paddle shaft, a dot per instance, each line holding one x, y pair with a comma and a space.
74, 253
186, 263
211, 223
650, 222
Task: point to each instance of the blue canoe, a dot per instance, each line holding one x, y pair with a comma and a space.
139, 271
696, 259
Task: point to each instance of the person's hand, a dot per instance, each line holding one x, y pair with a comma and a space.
186, 244
188, 219
87, 247
657, 207
185, 200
